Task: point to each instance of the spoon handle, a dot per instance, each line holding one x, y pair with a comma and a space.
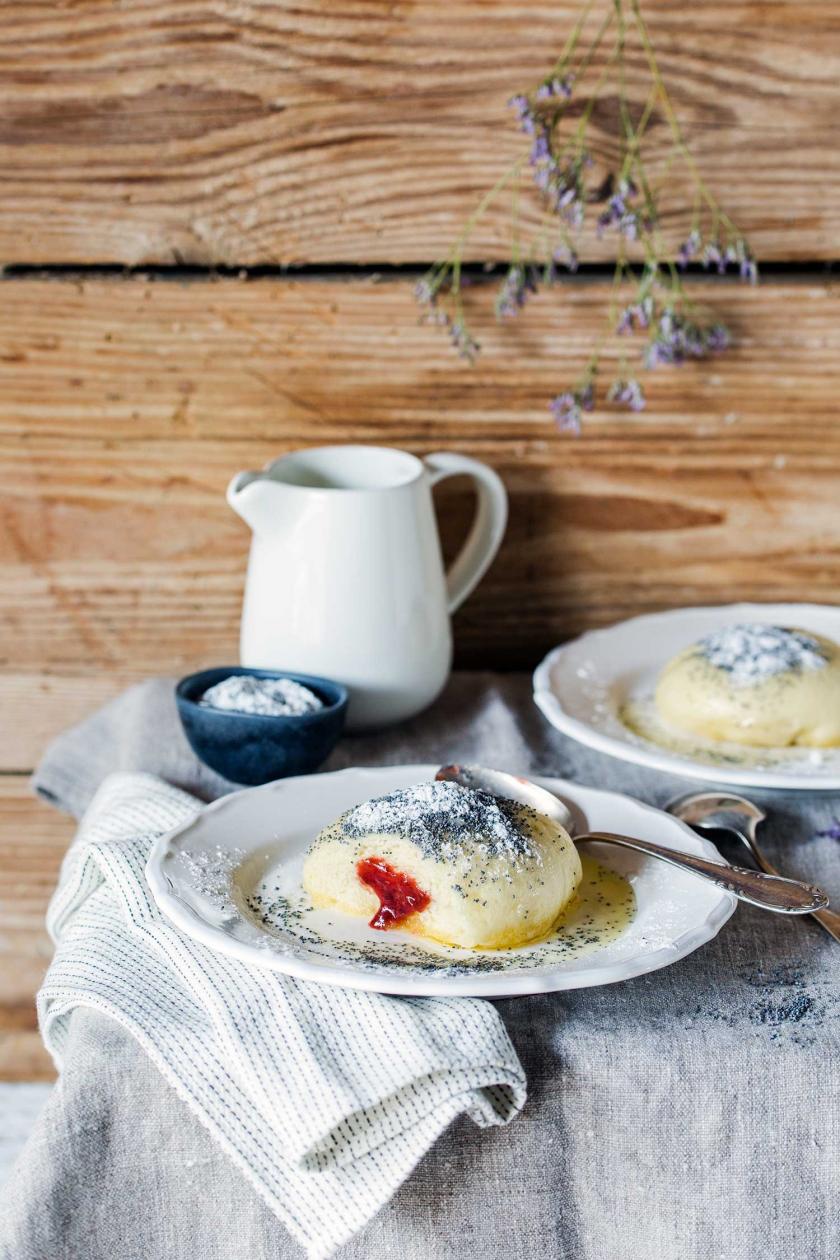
828, 919
771, 892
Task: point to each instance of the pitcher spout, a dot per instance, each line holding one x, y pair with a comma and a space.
250, 496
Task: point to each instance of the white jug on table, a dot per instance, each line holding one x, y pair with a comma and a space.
346, 578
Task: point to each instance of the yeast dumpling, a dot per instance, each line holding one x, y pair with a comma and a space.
460, 866
761, 685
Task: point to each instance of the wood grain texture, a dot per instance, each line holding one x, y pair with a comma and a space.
38, 703
126, 405
33, 840
248, 133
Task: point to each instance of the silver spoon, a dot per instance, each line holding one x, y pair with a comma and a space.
724, 811
771, 892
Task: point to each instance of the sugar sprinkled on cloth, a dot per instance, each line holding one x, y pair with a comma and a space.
752, 653
268, 697
439, 816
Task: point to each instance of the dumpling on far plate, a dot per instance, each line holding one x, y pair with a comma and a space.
761, 685
460, 866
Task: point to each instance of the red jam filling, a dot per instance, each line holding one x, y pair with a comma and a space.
399, 896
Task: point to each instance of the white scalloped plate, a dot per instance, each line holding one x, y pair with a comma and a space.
203, 874
583, 688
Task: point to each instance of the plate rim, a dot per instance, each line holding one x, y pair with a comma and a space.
551, 706
410, 984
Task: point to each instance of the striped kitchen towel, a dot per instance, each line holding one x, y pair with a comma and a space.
325, 1099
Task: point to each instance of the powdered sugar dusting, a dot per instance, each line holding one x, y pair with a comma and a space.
268, 697
441, 818
211, 871
752, 653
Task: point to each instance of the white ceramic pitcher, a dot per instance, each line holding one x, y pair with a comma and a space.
345, 577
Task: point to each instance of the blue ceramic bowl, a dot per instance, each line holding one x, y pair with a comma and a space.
250, 747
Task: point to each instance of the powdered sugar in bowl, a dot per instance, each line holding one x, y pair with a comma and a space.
255, 725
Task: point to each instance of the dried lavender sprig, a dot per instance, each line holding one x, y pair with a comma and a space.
560, 169
637, 316
629, 392
568, 408
689, 248
518, 285
567, 256
462, 340
677, 338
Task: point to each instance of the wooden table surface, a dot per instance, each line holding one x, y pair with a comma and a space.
211, 222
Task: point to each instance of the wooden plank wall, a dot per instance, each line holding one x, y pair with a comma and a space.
179, 138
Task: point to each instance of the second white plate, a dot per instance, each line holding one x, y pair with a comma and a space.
585, 688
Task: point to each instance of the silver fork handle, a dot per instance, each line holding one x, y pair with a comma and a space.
771, 892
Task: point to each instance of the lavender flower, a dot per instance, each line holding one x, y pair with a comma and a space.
713, 256
637, 315
568, 408
747, 266
516, 287
552, 89
574, 214
429, 288
736, 253
565, 187
714, 253
566, 255
629, 393
678, 338
749, 270
690, 248
425, 292
620, 215
463, 343
524, 113
717, 338
540, 150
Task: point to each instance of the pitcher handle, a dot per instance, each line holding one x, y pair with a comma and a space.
488, 527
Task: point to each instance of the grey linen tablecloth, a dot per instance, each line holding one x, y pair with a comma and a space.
694, 1112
